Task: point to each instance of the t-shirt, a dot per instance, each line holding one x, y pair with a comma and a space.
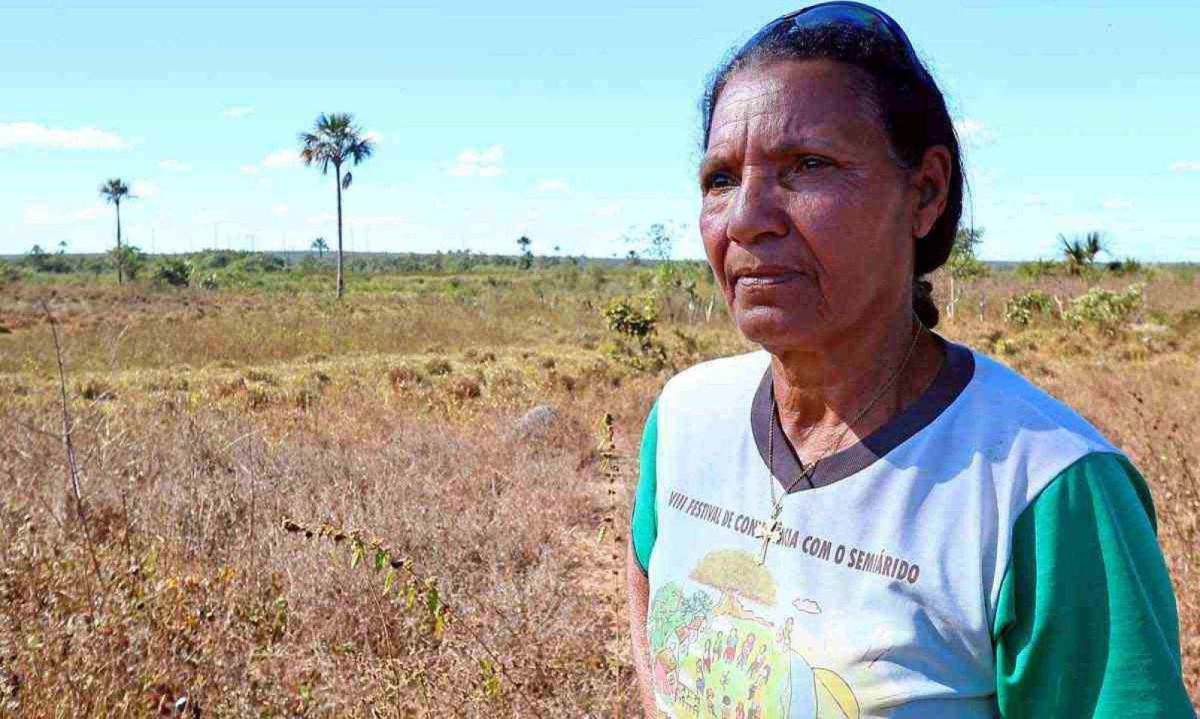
984, 553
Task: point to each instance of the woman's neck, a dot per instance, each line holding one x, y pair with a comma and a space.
818, 392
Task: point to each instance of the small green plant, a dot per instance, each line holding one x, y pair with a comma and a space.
635, 321
173, 271
1022, 309
401, 583
1037, 269
8, 273
1127, 266
632, 318
128, 260
1104, 309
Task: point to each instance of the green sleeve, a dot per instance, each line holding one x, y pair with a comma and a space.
644, 525
1086, 623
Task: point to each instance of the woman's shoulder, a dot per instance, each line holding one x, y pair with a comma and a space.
1012, 399
1021, 434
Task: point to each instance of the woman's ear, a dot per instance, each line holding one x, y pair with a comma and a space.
932, 181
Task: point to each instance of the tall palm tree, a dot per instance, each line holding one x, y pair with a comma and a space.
113, 192
335, 140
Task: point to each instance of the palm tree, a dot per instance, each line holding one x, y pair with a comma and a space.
1080, 253
320, 245
334, 140
113, 192
526, 255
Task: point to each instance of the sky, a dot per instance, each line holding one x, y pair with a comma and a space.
573, 123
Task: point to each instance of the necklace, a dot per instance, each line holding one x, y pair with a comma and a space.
773, 531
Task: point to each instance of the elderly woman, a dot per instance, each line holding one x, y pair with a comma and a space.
865, 519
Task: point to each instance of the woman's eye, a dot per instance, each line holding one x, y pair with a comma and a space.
719, 181
811, 163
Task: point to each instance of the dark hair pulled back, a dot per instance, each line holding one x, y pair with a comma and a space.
910, 106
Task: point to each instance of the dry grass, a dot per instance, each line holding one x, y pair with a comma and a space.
203, 421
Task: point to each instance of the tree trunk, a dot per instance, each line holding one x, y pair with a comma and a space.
339, 259
120, 257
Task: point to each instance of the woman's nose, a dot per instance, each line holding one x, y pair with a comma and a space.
756, 212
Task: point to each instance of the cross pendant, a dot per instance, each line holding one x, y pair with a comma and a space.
767, 533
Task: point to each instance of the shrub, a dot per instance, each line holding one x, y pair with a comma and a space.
1104, 309
1037, 269
1021, 310
1127, 266
632, 318
173, 271
130, 259
438, 367
8, 273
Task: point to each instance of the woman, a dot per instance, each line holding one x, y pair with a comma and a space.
902, 526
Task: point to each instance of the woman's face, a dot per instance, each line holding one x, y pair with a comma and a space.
807, 219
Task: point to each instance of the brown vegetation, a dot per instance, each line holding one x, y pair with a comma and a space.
226, 440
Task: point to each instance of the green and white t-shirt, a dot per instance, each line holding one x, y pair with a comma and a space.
985, 553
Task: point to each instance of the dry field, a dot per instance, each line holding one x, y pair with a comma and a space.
297, 508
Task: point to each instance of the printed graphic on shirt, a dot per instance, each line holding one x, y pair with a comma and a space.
715, 651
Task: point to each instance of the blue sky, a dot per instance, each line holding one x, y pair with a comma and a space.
571, 123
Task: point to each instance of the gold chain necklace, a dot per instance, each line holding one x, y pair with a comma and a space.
773, 531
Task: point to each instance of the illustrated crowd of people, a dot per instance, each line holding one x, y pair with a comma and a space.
721, 655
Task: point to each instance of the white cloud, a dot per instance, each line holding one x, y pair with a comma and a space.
492, 155
282, 158
552, 186
319, 218
1034, 200
974, 133
31, 134
174, 166
374, 136
1190, 166
1118, 203
41, 214
91, 213
143, 189
249, 170
608, 210
237, 111
37, 214
280, 210
478, 163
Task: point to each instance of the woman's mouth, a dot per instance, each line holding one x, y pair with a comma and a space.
766, 279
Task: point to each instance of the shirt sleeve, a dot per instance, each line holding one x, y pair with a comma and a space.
1086, 623
644, 523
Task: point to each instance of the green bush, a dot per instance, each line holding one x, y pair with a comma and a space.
1104, 309
1022, 309
1127, 266
632, 318
1037, 269
8, 273
130, 258
173, 271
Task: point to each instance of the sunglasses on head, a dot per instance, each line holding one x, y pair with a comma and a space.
851, 14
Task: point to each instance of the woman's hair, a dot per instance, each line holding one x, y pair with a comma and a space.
909, 104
